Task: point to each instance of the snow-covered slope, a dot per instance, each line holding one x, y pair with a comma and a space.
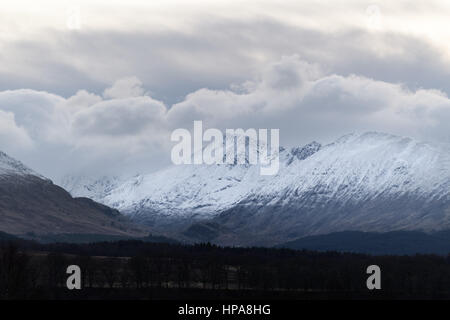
10, 166
96, 188
369, 181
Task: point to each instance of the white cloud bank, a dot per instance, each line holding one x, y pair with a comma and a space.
126, 130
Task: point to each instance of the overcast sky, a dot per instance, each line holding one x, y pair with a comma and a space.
98, 86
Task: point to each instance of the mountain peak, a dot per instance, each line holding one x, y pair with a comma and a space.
10, 165
362, 181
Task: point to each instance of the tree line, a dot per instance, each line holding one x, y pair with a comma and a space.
31, 270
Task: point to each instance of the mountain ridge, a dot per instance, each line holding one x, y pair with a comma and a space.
32, 204
362, 181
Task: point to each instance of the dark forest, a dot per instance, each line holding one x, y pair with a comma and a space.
139, 270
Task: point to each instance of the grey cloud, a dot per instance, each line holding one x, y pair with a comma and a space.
36, 111
126, 116
214, 54
132, 133
13, 136
321, 108
125, 88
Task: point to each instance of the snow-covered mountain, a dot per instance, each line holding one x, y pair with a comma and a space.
11, 166
370, 182
32, 206
96, 188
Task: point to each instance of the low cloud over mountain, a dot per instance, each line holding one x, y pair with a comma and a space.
128, 129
